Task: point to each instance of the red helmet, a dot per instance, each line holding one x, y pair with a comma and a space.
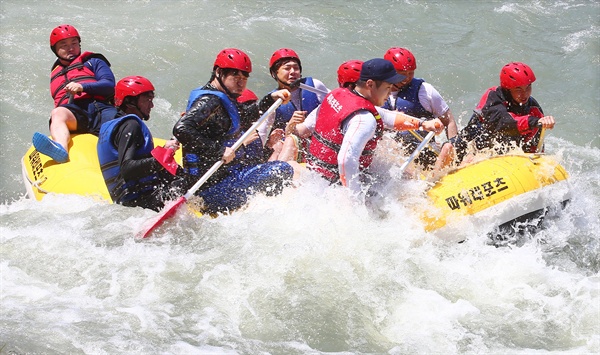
131, 86
232, 58
281, 54
247, 95
349, 72
516, 74
62, 32
402, 58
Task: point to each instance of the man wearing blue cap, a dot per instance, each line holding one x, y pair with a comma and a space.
349, 127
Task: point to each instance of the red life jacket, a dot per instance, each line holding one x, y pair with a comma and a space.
527, 134
327, 139
76, 71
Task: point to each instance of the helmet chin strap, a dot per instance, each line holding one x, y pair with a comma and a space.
229, 93
139, 113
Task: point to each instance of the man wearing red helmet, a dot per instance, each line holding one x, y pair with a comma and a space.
212, 123
349, 126
507, 115
82, 86
136, 173
286, 68
418, 98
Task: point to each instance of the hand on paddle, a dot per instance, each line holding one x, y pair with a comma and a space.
172, 144
433, 126
228, 155
546, 122
282, 94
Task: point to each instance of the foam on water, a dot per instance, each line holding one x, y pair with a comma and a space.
308, 271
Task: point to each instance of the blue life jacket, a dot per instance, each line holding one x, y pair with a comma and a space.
108, 155
191, 162
408, 100
231, 108
309, 102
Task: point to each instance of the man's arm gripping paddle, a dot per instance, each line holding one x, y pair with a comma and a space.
170, 210
300, 84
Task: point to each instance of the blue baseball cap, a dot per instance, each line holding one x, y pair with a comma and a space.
380, 69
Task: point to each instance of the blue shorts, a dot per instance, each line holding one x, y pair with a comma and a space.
242, 182
90, 115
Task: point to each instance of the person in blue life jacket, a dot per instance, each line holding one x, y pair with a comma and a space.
135, 172
212, 123
418, 98
82, 86
286, 69
506, 117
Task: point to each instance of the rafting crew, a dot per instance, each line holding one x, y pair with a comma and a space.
212, 123
507, 116
135, 172
335, 133
82, 86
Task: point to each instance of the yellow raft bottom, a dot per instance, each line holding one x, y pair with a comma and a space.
502, 188
505, 187
81, 175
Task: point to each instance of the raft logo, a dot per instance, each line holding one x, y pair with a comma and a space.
477, 193
335, 104
36, 165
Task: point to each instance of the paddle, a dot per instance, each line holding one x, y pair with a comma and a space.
540, 144
417, 151
300, 84
171, 209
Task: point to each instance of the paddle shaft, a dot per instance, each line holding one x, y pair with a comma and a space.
235, 147
168, 212
413, 132
540, 144
417, 151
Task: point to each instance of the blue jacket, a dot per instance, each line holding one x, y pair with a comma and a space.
121, 190
309, 102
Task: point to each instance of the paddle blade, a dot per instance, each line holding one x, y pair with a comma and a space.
168, 212
165, 157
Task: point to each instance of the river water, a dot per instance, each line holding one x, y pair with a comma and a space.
305, 272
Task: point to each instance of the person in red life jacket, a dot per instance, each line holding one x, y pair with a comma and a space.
136, 173
507, 116
348, 126
286, 68
82, 86
417, 98
211, 125
348, 74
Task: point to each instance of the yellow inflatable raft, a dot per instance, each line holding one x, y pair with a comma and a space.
81, 175
500, 189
